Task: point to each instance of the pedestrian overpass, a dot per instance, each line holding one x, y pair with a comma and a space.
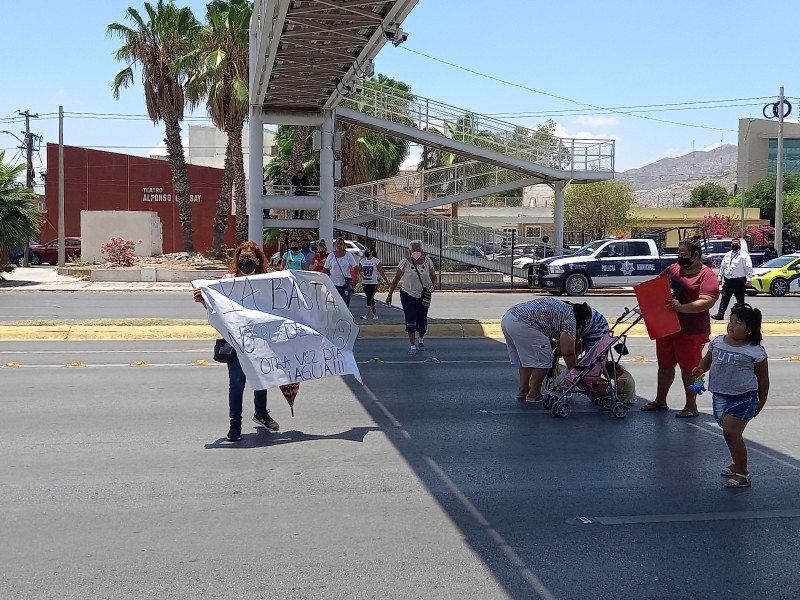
307, 58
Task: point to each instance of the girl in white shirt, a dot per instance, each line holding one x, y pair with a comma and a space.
370, 267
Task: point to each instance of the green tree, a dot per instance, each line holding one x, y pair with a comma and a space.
708, 194
19, 218
153, 46
762, 196
601, 208
368, 155
219, 77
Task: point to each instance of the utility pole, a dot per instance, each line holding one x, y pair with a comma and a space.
29, 173
779, 182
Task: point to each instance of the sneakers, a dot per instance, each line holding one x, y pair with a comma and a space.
363, 318
235, 432
374, 317
421, 344
268, 422
412, 351
717, 317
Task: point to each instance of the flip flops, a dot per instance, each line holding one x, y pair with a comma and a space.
650, 406
687, 414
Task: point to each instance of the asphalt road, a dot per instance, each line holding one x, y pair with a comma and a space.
430, 481
171, 305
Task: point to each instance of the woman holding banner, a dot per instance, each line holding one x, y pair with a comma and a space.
248, 259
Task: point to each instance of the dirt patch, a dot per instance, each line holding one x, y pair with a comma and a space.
179, 261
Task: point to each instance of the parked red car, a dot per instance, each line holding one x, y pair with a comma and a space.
48, 253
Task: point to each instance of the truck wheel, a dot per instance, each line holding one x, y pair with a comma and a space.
576, 284
779, 287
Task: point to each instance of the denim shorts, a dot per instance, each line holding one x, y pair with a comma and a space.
741, 406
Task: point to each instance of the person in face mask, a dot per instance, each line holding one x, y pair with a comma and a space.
293, 259
248, 259
695, 290
414, 274
735, 274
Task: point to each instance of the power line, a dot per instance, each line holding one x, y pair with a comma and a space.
556, 96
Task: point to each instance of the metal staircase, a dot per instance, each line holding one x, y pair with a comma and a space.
396, 224
441, 186
478, 137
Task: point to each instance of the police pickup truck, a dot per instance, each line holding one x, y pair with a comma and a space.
600, 264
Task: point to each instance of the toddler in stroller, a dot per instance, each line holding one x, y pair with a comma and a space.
598, 375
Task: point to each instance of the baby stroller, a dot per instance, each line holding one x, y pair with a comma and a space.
591, 375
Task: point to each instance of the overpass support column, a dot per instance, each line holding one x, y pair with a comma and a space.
326, 179
255, 213
558, 216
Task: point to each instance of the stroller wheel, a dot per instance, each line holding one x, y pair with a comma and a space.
547, 402
620, 411
606, 402
563, 410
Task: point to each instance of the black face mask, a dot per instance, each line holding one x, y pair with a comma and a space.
294, 248
736, 248
247, 265
685, 262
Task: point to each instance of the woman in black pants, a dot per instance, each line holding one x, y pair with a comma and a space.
414, 274
370, 267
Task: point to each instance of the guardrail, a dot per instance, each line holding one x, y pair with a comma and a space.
535, 146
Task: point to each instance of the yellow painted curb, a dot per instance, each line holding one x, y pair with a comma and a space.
175, 330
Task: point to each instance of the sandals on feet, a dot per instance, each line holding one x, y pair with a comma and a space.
739, 481
687, 414
536, 399
727, 471
653, 406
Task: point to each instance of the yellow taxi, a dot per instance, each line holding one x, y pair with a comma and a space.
778, 276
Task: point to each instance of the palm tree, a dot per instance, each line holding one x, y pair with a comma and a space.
368, 155
219, 76
154, 46
19, 218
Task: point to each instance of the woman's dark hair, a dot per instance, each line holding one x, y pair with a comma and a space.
582, 312
693, 244
752, 318
371, 250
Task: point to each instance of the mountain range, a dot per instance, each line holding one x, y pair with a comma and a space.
669, 182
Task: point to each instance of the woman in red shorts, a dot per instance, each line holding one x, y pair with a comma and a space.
695, 290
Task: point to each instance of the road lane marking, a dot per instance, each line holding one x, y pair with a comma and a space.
789, 513
749, 449
536, 584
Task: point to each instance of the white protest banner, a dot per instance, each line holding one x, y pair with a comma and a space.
286, 327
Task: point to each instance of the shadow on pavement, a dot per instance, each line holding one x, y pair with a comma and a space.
517, 482
262, 439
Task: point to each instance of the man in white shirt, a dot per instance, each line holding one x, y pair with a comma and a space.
735, 274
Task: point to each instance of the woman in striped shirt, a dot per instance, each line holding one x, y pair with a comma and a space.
530, 328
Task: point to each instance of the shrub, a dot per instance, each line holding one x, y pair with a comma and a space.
119, 251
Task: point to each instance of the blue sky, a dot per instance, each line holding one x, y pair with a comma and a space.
575, 56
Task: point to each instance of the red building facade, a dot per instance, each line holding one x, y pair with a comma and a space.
97, 180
